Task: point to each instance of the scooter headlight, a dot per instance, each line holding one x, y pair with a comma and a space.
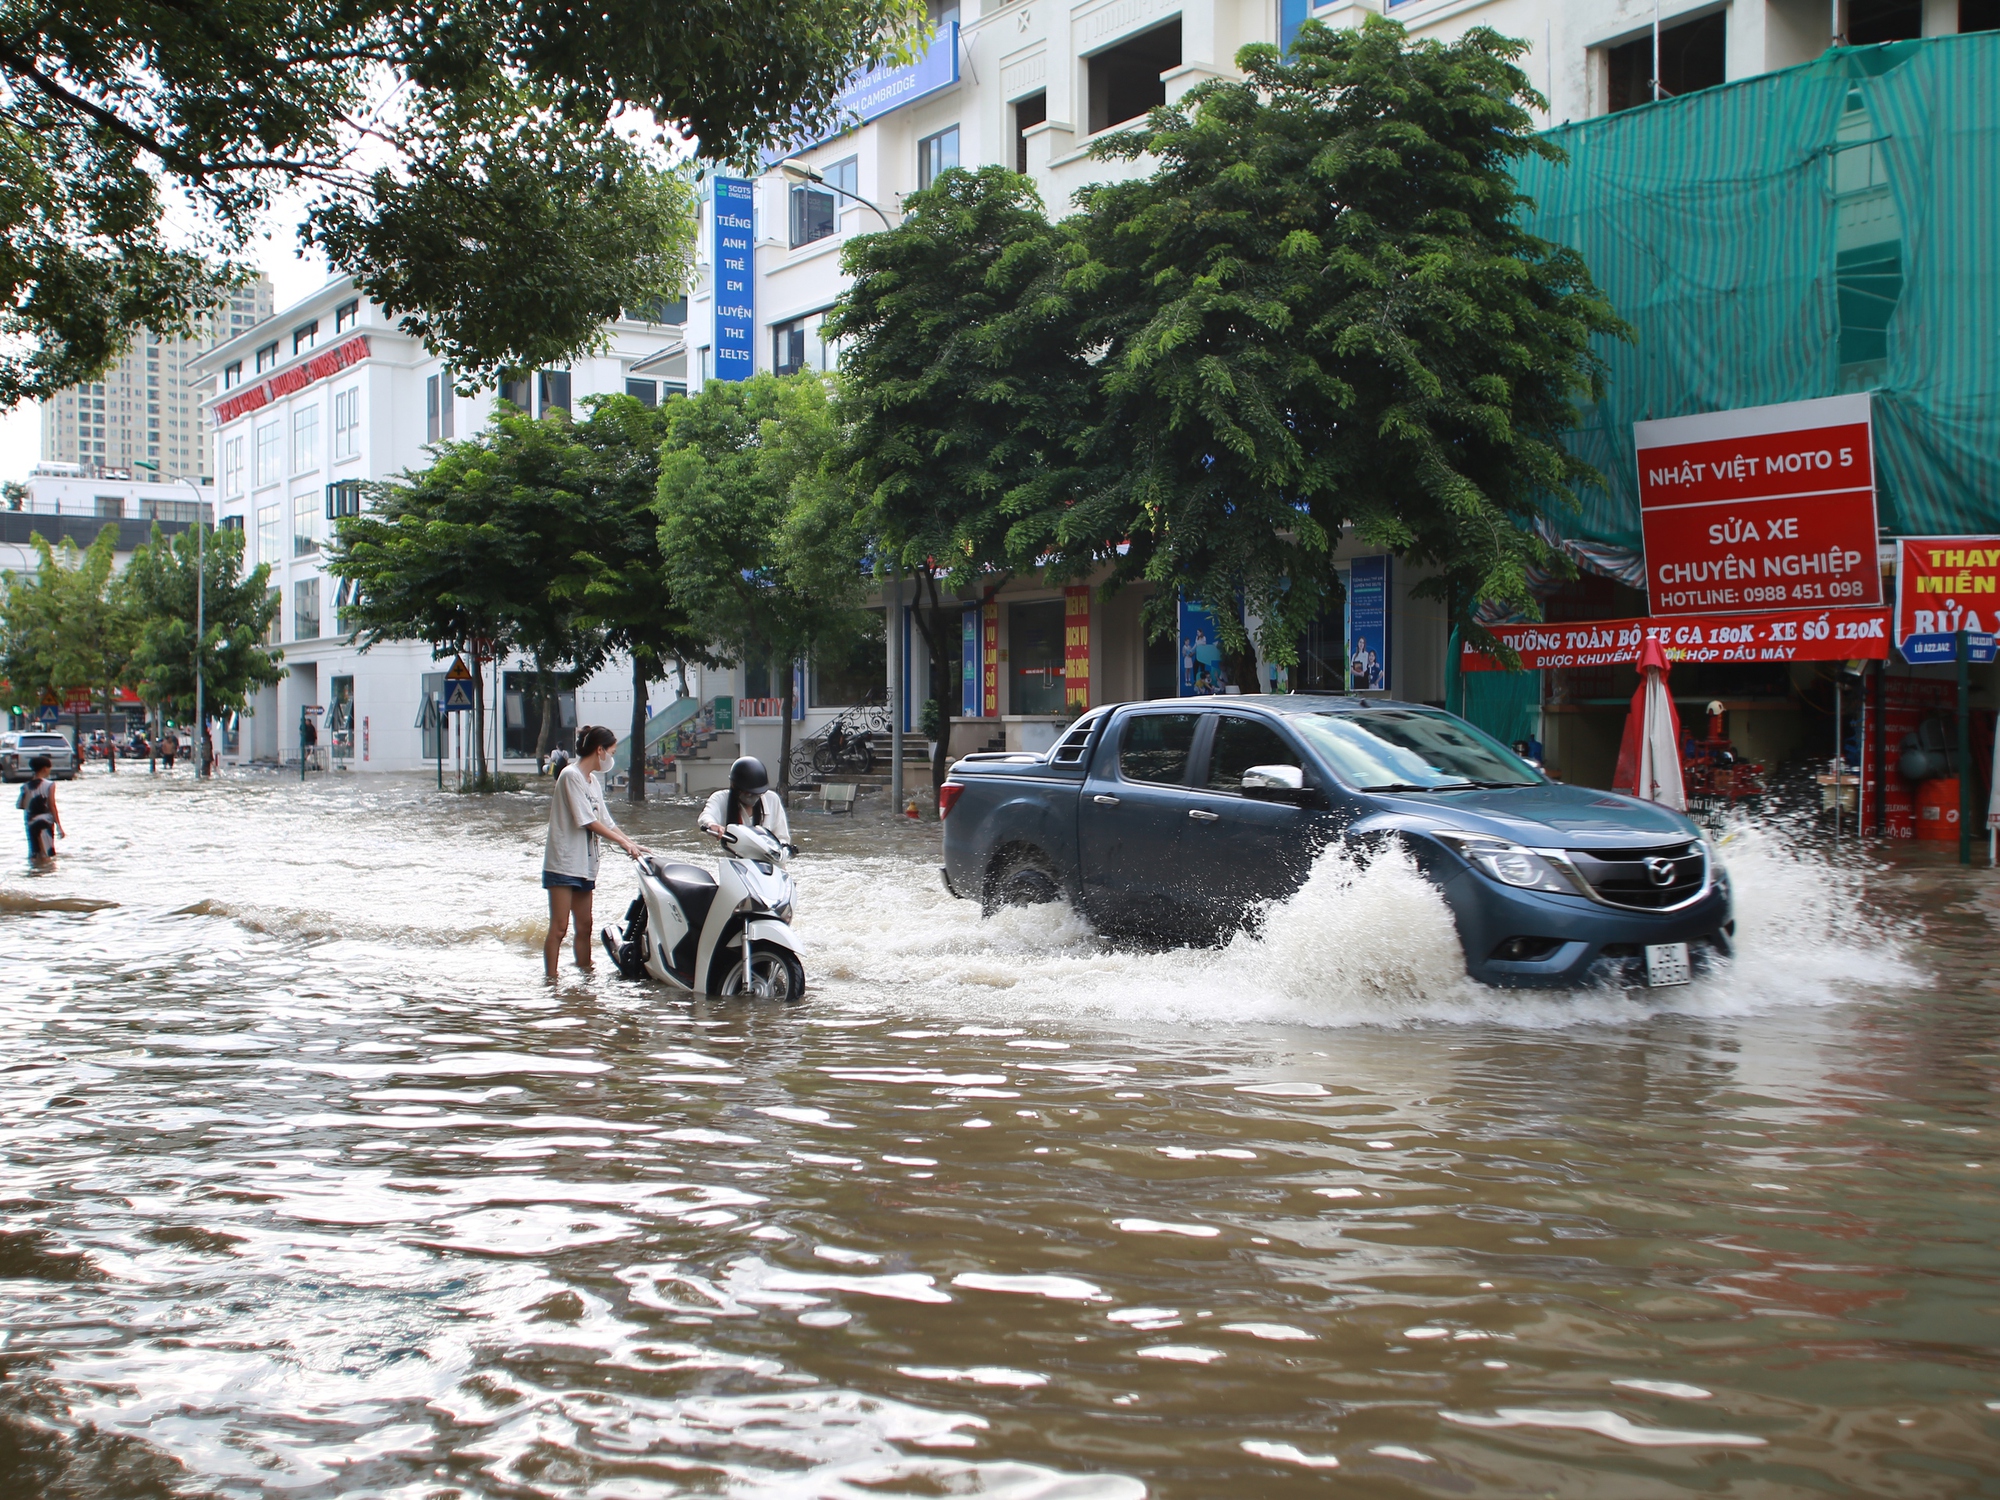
784, 911
1510, 864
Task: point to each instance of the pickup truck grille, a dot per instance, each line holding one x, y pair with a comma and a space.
1630, 877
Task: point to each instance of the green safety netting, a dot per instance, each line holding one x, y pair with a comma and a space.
1828, 228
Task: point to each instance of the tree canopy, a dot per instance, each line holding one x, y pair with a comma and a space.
1320, 310
495, 174
237, 610
760, 540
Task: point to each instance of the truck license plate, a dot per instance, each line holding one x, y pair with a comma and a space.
1667, 963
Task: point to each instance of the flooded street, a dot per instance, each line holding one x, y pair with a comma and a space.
313, 1187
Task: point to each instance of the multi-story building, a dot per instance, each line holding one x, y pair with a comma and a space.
1033, 85
306, 408
146, 406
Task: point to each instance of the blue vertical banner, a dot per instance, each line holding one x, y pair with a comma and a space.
968, 665
1202, 671
1368, 625
735, 294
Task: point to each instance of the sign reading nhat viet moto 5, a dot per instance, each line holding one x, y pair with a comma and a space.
1765, 507
1945, 584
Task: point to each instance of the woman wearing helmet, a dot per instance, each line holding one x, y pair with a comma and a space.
747, 799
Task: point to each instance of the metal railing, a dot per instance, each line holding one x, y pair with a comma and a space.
812, 754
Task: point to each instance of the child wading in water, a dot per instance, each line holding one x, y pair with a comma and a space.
38, 805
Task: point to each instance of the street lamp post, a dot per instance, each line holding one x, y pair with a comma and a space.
200, 621
794, 170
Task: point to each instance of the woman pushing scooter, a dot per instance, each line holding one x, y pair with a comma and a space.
578, 818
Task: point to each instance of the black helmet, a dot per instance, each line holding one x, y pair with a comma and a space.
748, 777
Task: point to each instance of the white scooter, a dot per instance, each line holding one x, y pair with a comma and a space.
726, 933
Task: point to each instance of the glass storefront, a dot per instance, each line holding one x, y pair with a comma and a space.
1035, 657
528, 708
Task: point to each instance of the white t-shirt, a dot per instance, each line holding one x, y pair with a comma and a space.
717, 813
578, 802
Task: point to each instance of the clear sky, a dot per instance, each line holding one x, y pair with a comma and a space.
276, 256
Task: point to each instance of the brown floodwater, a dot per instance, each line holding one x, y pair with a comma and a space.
312, 1186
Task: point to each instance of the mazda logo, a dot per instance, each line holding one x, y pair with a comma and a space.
1660, 871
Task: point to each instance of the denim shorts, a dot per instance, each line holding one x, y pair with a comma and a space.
552, 881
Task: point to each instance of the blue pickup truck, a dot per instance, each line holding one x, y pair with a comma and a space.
1178, 820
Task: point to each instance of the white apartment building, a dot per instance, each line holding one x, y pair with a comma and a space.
303, 410
147, 405
70, 502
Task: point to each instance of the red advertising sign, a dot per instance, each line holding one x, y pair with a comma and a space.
1787, 635
989, 654
332, 362
1945, 584
1766, 507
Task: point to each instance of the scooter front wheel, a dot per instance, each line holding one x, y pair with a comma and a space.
776, 974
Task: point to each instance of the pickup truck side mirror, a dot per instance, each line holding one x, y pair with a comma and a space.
1275, 783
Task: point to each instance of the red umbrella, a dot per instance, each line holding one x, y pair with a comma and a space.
1649, 757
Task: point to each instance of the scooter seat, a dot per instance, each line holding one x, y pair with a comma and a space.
684, 879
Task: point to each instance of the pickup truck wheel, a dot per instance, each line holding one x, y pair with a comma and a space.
1022, 882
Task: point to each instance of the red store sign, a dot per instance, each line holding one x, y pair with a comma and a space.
1782, 635
1762, 508
336, 359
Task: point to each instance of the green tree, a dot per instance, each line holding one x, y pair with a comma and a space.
236, 609
100, 627
761, 541
468, 554
33, 653
472, 165
618, 581
1320, 311
966, 384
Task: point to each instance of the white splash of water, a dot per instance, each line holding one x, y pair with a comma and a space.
1359, 944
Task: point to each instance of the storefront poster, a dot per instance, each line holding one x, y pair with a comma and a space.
1202, 670
1792, 635
1906, 702
989, 657
1765, 507
1945, 584
1076, 649
968, 664
735, 300
1368, 625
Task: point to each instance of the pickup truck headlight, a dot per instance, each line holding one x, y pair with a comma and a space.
1510, 864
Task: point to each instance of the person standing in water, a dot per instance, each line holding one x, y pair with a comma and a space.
748, 799
38, 805
578, 818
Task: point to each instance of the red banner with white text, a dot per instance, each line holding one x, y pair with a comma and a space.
1773, 635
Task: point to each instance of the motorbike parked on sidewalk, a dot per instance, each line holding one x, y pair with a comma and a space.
842, 751
726, 932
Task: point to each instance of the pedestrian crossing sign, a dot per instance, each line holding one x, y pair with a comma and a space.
457, 694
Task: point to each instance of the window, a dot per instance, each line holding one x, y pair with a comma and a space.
232, 466
270, 453
844, 177
267, 358
813, 210
1155, 747
1125, 80
305, 438
343, 498
433, 423
1035, 657
110, 507
347, 423
552, 391
305, 610
788, 347
1691, 58
857, 674
936, 155
305, 524
517, 391
232, 374
1032, 110
270, 539
528, 712
1870, 22
305, 336
1978, 15
1380, 748
1241, 743
346, 316
274, 599
647, 391
667, 310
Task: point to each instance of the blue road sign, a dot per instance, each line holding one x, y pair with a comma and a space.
457, 694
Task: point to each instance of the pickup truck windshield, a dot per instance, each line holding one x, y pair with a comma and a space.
1409, 750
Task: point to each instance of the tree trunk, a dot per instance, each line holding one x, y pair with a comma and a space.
783, 780
637, 756
931, 623
479, 725
110, 739
545, 737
